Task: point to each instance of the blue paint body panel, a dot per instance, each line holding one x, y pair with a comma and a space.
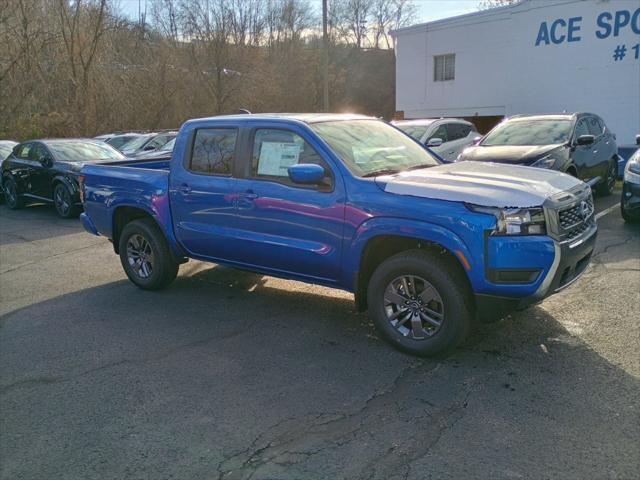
294, 231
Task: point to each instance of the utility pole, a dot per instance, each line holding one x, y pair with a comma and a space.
325, 59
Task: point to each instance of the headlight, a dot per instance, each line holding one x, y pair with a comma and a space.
515, 221
545, 162
632, 168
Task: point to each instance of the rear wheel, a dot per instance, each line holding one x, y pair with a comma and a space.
11, 195
419, 303
145, 255
63, 201
607, 185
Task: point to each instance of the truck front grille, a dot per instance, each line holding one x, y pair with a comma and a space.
576, 214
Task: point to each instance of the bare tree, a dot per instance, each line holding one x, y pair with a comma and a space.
487, 4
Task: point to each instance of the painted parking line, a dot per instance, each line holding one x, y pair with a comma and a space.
607, 210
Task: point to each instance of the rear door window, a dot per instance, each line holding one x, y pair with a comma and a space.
213, 151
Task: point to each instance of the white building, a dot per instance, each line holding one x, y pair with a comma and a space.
536, 56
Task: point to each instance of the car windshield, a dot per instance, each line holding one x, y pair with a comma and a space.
168, 147
416, 131
119, 141
135, 144
83, 151
529, 132
371, 147
5, 150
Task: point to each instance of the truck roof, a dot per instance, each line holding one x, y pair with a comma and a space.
300, 117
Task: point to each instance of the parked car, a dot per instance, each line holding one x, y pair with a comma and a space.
120, 140
630, 200
447, 137
163, 153
5, 150
147, 143
579, 144
47, 170
352, 203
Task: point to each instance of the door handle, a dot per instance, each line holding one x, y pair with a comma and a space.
250, 195
184, 189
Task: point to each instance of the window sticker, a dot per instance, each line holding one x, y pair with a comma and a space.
25, 152
277, 157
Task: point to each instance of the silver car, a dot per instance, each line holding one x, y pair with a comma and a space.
447, 137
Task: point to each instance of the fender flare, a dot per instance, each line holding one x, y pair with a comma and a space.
414, 229
60, 178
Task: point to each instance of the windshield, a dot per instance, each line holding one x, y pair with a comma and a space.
119, 141
83, 151
529, 132
135, 144
416, 131
369, 147
5, 150
168, 147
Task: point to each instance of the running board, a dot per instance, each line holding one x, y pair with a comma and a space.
593, 181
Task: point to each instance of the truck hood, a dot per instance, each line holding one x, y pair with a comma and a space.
485, 184
515, 154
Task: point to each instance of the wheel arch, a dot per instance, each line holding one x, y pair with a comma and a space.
378, 247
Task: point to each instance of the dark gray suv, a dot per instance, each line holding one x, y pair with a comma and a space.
579, 144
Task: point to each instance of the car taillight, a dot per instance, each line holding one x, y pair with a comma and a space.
81, 184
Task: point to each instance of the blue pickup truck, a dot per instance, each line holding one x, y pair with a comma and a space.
349, 202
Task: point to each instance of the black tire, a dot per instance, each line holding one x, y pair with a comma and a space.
454, 305
11, 195
63, 202
625, 216
163, 267
607, 185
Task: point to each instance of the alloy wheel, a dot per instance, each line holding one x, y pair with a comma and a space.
62, 201
140, 256
414, 307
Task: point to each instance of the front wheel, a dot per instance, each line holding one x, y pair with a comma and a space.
145, 255
607, 185
420, 303
11, 195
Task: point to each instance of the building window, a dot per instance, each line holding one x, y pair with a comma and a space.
444, 67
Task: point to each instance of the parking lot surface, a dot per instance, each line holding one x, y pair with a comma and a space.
233, 375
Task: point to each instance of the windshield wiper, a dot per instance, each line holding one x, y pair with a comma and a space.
385, 171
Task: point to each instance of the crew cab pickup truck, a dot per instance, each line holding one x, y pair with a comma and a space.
349, 202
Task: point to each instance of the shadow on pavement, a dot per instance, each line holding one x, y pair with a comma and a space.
224, 376
34, 222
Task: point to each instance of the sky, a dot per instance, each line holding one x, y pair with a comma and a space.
428, 10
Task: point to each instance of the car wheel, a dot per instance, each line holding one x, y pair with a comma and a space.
145, 255
608, 184
63, 201
419, 303
11, 195
625, 216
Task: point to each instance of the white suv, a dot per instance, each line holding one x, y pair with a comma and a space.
447, 137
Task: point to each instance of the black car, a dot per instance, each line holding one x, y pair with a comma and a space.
630, 200
162, 153
579, 144
120, 140
47, 170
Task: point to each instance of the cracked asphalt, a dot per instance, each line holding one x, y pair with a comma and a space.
230, 375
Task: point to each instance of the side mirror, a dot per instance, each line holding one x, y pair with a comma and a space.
637, 139
476, 140
585, 140
434, 142
45, 161
306, 173
148, 148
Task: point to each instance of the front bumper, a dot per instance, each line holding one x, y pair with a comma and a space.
570, 261
631, 199
88, 224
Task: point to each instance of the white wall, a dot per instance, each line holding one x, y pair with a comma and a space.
500, 70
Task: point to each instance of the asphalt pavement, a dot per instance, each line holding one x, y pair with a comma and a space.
233, 375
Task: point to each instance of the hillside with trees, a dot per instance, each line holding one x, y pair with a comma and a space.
82, 67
